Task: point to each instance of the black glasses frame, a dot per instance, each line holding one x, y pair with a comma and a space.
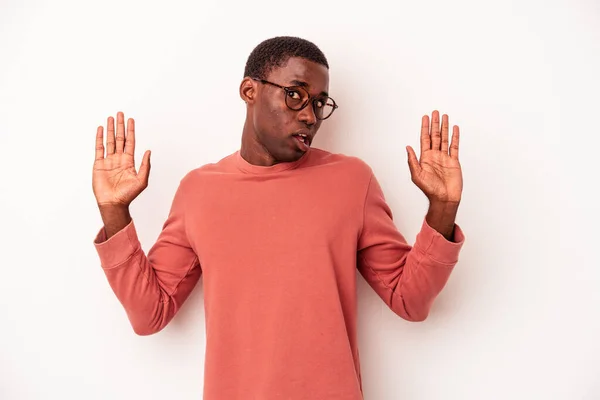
309, 99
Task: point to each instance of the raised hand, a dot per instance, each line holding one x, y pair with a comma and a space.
438, 172
115, 181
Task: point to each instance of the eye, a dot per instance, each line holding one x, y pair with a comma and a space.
320, 103
294, 94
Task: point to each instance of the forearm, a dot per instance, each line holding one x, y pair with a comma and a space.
426, 270
148, 305
150, 287
441, 216
408, 278
115, 218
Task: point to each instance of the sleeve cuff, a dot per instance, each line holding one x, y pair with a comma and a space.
436, 246
115, 250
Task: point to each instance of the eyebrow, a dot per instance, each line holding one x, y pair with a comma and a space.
304, 84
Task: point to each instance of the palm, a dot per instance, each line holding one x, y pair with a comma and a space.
115, 180
438, 172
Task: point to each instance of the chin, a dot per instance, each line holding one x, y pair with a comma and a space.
291, 157
286, 150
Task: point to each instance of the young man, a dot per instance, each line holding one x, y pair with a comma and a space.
277, 230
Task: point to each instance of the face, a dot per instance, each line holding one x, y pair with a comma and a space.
283, 134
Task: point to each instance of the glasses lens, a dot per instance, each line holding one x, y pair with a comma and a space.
323, 106
296, 97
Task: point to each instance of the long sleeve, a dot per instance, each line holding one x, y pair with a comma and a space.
151, 287
408, 278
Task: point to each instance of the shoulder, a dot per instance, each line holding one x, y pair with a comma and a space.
223, 166
343, 163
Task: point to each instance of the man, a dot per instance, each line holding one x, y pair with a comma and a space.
278, 229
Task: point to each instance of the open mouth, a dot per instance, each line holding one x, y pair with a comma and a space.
302, 138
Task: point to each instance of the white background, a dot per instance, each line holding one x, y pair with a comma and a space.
520, 316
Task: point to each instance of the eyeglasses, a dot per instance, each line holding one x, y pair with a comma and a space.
297, 98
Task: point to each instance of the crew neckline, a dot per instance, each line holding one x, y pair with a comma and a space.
245, 166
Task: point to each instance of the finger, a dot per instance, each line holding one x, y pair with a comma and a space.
130, 139
444, 144
425, 138
144, 171
413, 163
435, 130
455, 142
110, 136
99, 143
120, 133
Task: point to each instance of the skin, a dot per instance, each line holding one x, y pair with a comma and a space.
267, 140
267, 135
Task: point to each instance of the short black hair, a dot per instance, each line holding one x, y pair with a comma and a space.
275, 52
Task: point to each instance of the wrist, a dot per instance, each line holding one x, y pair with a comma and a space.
112, 213
115, 217
441, 217
448, 205
113, 207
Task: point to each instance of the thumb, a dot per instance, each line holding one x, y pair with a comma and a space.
144, 172
413, 163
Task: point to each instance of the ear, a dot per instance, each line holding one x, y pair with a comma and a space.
248, 90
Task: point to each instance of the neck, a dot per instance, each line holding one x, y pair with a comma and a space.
252, 150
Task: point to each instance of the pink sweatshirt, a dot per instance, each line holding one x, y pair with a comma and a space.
278, 248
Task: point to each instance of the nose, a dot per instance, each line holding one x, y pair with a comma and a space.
307, 115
